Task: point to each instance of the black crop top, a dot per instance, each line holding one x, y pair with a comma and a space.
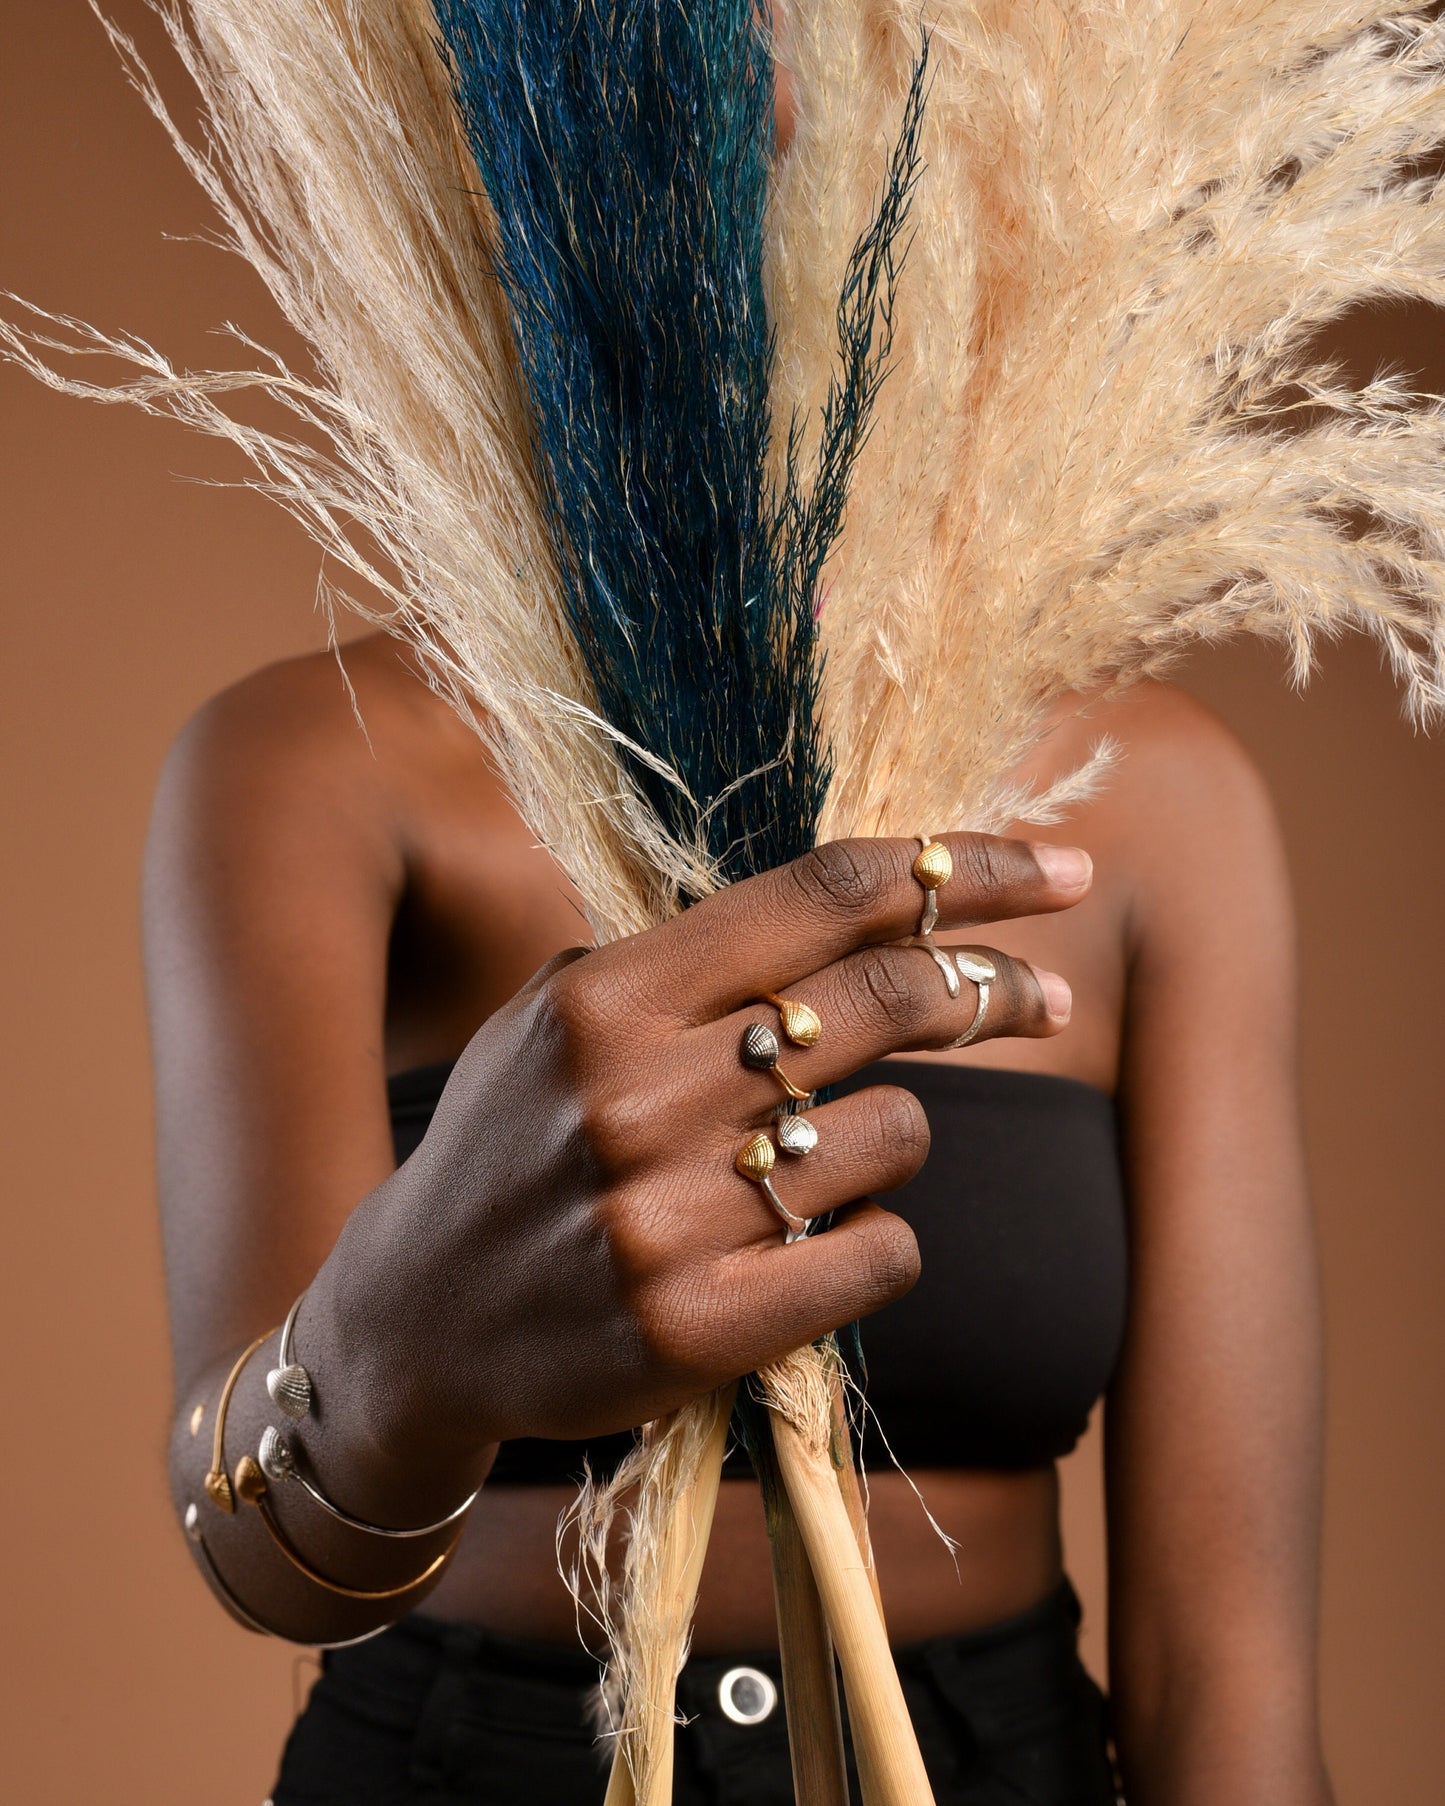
997, 1355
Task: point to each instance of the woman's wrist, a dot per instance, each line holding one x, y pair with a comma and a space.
373, 1437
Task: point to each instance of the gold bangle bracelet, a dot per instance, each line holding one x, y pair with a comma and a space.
251, 1486
218, 1482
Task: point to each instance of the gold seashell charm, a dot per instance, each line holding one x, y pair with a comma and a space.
218, 1491
933, 866
757, 1159
801, 1025
250, 1481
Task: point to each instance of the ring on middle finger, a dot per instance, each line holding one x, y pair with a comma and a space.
760, 1051
982, 973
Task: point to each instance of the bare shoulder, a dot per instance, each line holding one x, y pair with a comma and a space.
1189, 817
319, 751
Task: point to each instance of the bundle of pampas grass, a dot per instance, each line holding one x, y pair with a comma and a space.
1104, 436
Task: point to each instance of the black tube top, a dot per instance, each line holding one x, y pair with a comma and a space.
997, 1355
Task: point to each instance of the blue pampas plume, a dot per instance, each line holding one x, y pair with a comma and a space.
625, 146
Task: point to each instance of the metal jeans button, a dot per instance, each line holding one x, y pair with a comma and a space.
746, 1695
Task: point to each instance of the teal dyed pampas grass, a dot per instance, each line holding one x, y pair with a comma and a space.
626, 148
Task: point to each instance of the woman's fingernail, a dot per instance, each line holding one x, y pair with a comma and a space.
1058, 997
1066, 868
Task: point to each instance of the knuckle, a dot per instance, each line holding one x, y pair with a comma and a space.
840, 876
612, 1126
892, 1128
568, 1003
888, 1256
892, 985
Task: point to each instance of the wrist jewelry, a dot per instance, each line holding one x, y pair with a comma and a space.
233, 1605
218, 1482
279, 1463
251, 1488
288, 1382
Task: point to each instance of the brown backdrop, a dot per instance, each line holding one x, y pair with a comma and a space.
129, 597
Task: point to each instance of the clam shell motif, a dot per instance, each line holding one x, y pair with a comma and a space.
800, 1024
277, 1460
975, 968
760, 1048
796, 1135
933, 866
290, 1389
757, 1159
218, 1490
250, 1481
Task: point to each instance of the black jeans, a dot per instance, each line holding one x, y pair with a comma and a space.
432, 1714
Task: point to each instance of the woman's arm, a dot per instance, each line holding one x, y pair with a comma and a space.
1214, 1421
571, 1249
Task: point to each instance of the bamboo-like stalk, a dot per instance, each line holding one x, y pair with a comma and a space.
651, 1722
883, 1734
810, 1679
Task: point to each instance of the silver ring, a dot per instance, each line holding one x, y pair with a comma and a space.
980, 972
794, 1228
940, 958
755, 1161
796, 1134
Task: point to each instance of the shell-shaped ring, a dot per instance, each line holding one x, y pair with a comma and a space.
760, 1051
932, 868
756, 1160
981, 972
801, 1025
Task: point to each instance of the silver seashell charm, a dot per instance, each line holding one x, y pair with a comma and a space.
760, 1048
975, 968
290, 1389
796, 1135
193, 1522
277, 1461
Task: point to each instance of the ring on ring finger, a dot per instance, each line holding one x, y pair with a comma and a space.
755, 1160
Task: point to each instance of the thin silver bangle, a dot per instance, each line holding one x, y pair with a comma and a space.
238, 1611
278, 1462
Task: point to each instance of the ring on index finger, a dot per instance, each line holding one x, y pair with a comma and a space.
932, 868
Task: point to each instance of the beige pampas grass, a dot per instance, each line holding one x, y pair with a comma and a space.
333, 160
1134, 216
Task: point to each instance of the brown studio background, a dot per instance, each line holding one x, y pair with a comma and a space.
128, 598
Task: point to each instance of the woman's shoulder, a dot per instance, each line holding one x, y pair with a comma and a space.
1175, 776
322, 772
1185, 812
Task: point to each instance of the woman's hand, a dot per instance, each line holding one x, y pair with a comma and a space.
572, 1251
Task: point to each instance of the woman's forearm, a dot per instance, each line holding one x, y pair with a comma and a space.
1246, 1741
